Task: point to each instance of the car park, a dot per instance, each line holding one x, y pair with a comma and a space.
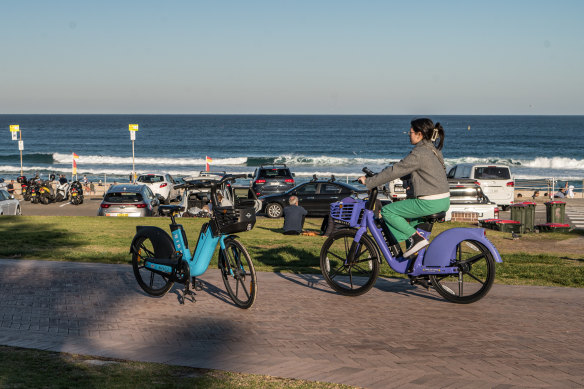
496, 181
129, 200
8, 204
162, 185
315, 196
270, 179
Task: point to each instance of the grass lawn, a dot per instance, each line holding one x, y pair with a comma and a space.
107, 240
24, 368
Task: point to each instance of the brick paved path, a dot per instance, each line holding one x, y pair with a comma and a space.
395, 335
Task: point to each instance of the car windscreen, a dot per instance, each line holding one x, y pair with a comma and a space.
275, 173
150, 179
123, 197
492, 173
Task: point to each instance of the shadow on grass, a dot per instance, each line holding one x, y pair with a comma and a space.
21, 238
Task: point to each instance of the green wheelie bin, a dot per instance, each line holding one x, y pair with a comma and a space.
555, 212
525, 214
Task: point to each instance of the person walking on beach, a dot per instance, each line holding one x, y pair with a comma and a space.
425, 163
294, 217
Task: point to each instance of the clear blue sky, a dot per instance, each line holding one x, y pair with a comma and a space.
292, 57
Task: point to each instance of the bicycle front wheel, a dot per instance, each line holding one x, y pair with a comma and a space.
152, 283
475, 276
238, 273
349, 276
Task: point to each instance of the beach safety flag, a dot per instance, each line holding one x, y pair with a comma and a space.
208, 160
75, 156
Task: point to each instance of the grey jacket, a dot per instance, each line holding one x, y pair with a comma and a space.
425, 166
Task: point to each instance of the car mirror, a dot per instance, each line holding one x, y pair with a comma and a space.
155, 202
249, 176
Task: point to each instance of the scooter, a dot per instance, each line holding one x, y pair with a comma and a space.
76, 191
62, 192
46, 192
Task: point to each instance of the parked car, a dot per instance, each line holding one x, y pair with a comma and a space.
129, 200
495, 180
3, 184
8, 204
315, 196
270, 179
161, 185
466, 191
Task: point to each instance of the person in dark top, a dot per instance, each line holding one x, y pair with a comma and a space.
62, 179
293, 217
10, 187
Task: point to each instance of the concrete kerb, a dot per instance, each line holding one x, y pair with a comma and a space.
392, 336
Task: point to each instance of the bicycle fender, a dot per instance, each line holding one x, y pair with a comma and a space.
443, 247
161, 241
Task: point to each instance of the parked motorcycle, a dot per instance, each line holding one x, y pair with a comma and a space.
33, 191
23, 187
62, 192
76, 192
46, 192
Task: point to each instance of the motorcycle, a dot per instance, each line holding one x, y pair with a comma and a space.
33, 191
76, 192
62, 192
46, 192
23, 187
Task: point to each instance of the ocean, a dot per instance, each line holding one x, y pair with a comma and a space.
535, 147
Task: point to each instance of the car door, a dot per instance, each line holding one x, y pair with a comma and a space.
3, 203
307, 196
171, 183
329, 192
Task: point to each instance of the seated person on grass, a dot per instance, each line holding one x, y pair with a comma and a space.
294, 217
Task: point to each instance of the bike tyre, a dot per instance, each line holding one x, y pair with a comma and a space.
439, 282
238, 273
344, 239
163, 284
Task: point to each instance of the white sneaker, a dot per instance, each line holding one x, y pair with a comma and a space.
415, 243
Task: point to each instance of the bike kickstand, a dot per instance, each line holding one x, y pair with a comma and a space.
188, 292
197, 284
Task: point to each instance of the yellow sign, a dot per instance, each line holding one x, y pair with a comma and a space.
133, 127
14, 128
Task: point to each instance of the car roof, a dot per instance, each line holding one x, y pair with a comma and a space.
126, 188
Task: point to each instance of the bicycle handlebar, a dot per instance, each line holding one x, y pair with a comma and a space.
372, 192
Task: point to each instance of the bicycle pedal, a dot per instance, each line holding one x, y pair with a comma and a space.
420, 281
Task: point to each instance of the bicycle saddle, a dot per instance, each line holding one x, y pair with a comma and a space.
170, 209
436, 217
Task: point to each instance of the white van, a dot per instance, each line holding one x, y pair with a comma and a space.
496, 180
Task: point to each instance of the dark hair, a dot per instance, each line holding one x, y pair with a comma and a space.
427, 127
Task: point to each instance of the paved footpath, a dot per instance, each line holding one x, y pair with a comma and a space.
394, 336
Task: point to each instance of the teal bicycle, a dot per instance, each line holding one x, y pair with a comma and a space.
159, 260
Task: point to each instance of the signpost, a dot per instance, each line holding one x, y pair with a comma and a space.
133, 129
14, 128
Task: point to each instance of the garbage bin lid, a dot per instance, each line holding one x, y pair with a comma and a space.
555, 202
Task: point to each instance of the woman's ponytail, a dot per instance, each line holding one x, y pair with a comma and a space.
431, 132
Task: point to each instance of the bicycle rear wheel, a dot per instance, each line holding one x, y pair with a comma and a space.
349, 276
475, 277
238, 273
152, 283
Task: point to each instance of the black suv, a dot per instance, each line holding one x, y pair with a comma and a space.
270, 179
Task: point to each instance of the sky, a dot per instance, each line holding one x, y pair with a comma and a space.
292, 57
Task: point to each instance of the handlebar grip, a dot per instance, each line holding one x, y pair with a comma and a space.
368, 172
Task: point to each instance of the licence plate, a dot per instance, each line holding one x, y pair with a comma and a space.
116, 214
73, 194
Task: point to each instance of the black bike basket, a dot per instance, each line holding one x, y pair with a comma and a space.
234, 219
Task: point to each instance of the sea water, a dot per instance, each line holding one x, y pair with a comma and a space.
535, 147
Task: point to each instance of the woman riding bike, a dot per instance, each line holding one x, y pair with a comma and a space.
425, 163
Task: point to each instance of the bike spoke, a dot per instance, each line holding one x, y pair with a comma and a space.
151, 279
472, 259
477, 279
332, 276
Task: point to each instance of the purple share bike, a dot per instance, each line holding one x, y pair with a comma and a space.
459, 263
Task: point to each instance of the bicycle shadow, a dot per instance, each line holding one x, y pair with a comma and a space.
205, 286
403, 287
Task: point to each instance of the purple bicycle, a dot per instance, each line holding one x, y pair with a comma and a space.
459, 263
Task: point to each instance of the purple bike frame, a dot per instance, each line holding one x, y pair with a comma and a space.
435, 258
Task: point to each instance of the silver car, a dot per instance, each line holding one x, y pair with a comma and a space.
8, 204
128, 200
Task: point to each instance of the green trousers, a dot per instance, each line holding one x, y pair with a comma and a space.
396, 213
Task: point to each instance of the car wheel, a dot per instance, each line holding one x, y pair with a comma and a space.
274, 210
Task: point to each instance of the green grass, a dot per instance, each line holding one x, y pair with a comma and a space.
107, 240
24, 368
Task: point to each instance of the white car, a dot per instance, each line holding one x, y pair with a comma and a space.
495, 180
8, 204
162, 185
